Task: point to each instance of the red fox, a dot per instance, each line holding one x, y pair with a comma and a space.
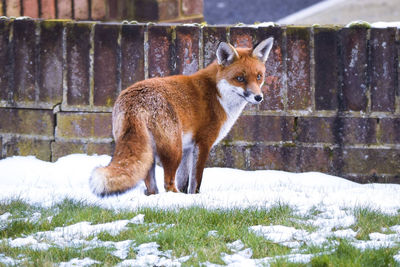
178, 119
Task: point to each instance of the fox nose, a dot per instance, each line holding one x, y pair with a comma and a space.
258, 98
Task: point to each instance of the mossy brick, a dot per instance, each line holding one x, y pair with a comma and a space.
371, 161
316, 129
106, 64
187, 49
258, 128
61, 148
1, 14
359, 130
13, 8
27, 121
81, 9
51, 62
168, 9
272, 157
6, 59
326, 68
41, 149
354, 53
161, 50
212, 36
48, 9
192, 7
274, 75
298, 68
132, 51
228, 156
100, 148
30, 8
383, 69
78, 48
75, 125
315, 159
98, 11
25, 61
389, 131
64, 8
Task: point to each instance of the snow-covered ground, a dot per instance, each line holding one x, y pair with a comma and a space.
45, 184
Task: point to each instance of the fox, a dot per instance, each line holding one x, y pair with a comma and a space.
178, 119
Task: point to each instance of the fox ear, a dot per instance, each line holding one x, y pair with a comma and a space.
226, 54
261, 51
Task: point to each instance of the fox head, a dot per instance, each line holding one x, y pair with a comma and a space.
241, 70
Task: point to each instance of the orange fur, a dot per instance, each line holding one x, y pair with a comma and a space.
173, 118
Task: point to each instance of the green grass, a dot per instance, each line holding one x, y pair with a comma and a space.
186, 232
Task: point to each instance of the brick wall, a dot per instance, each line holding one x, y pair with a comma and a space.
331, 104
110, 10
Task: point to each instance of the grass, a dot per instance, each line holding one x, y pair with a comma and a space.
187, 232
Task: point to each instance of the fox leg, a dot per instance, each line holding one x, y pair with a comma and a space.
184, 170
200, 155
170, 155
150, 180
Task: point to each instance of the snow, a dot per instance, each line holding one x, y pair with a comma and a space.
333, 198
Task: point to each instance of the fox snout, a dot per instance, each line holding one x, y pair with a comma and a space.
252, 97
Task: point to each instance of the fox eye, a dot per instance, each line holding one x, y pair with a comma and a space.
240, 79
259, 76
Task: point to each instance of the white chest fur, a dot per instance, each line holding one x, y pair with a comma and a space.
233, 105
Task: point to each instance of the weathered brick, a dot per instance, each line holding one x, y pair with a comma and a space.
266, 157
51, 62
262, 129
48, 9
60, 149
187, 49
132, 50
106, 64
98, 9
212, 36
127, 10
13, 8
316, 129
1, 148
100, 148
371, 161
389, 131
113, 10
78, 63
27, 121
1, 14
26, 147
228, 156
161, 51
64, 9
313, 159
71, 125
144, 10
192, 7
326, 68
383, 69
6, 59
354, 70
24, 61
336, 130
359, 130
168, 9
298, 68
243, 37
273, 85
81, 9
31, 8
